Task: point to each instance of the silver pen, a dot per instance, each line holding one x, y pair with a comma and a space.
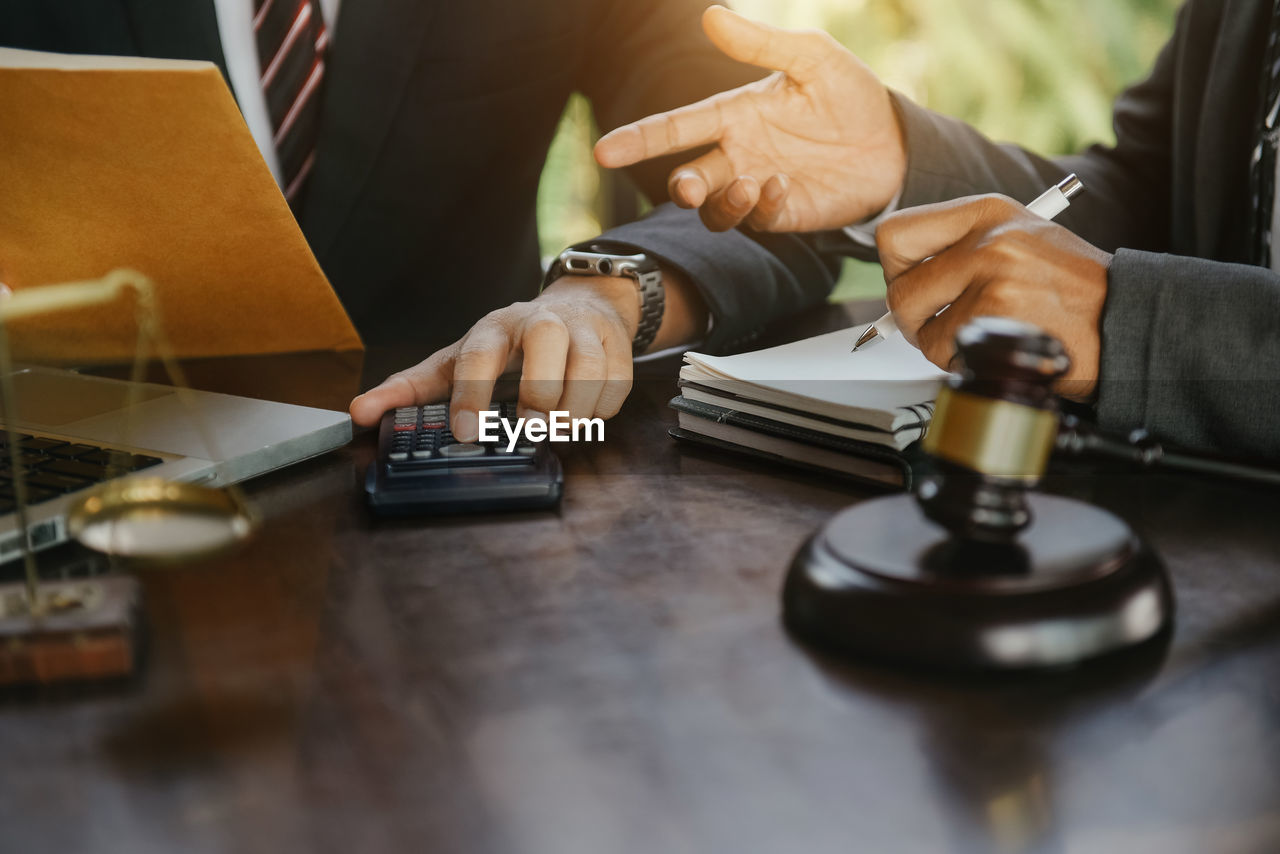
1049, 204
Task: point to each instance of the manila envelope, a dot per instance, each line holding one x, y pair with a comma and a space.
110, 162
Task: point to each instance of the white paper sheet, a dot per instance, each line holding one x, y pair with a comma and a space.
887, 374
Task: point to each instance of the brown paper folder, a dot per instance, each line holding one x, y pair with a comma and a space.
112, 162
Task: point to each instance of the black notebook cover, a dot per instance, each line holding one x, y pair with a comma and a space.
885, 467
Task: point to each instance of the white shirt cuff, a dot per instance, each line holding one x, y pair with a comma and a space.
864, 233
679, 348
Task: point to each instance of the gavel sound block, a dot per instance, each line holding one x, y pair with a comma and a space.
976, 572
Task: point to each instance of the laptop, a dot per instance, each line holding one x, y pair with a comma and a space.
71, 428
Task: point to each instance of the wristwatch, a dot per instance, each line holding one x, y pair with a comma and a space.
639, 267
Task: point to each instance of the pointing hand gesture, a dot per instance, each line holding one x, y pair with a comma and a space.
815, 145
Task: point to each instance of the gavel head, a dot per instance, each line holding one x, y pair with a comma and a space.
993, 428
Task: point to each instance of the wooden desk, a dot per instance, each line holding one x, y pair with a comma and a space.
614, 678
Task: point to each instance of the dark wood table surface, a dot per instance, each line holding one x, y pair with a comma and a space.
614, 678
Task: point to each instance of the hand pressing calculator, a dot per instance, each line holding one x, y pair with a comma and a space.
422, 470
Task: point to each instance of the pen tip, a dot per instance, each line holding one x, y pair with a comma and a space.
869, 334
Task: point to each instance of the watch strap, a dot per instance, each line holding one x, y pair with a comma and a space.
649, 289
653, 302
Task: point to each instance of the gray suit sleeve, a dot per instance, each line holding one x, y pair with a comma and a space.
745, 279
1189, 346
1126, 184
1190, 352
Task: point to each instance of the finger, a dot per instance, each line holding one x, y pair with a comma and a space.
917, 295
796, 52
425, 382
584, 373
618, 373
909, 236
691, 184
726, 209
482, 357
663, 133
936, 339
545, 342
773, 198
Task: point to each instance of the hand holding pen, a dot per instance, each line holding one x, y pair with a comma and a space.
989, 255
1048, 204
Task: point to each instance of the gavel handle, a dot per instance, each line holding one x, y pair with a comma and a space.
1079, 439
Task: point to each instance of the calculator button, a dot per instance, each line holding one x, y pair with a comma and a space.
397, 456
405, 428
526, 450
422, 454
460, 450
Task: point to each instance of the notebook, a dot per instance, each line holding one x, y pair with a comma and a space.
781, 443
881, 394
815, 403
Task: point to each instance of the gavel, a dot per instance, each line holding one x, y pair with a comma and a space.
993, 428
977, 570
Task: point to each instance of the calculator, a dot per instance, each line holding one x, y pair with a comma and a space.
421, 469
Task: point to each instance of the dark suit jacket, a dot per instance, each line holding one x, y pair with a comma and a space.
1191, 332
437, 119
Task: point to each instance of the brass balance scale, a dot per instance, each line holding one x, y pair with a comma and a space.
88, 628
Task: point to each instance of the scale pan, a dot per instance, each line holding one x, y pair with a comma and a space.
158, 521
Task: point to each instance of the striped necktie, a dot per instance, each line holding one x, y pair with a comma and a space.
292, 41
1262, 166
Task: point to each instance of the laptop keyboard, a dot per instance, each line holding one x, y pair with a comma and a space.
54, 467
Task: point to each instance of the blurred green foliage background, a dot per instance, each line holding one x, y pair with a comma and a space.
1042, 73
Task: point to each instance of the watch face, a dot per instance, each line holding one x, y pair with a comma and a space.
606, 264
